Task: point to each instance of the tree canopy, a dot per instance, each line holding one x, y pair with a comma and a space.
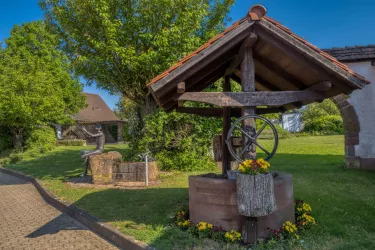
121, 44
36, 85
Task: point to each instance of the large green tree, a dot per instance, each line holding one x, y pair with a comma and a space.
36, 83
122, 44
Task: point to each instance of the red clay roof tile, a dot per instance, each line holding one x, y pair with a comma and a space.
255, 16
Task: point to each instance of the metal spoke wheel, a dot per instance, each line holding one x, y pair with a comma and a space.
265, 138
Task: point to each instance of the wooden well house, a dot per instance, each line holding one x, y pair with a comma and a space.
278, 71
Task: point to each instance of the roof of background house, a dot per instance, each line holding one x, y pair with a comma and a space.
96, 110
353, 53
207, 64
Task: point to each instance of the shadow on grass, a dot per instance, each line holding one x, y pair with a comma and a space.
342, 199
60, 164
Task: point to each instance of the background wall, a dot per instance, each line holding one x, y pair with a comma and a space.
363, 102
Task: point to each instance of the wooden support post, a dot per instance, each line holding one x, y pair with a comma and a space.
248, 85
226, 126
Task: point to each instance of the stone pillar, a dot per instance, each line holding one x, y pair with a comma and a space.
358, 114
352, 128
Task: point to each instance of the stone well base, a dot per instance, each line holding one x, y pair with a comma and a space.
214, 200
108, 168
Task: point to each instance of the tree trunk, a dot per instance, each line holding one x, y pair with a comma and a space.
17, 137
255, 195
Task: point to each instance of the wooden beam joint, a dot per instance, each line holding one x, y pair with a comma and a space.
247, 43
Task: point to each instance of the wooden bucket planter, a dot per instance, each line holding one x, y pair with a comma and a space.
255, 195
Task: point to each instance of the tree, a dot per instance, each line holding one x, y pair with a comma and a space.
36, 84
121, 44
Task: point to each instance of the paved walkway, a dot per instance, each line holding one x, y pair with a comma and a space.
28, 222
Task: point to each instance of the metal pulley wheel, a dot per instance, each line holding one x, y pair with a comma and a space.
265, 138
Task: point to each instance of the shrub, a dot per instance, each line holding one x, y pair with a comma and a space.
282, 133
72, 142
184, 161
178, 141
326, 125
42, 139
16, 157
267, 132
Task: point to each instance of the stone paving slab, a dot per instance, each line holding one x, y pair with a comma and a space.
28, 222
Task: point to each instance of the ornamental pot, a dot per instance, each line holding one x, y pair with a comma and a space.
255, 195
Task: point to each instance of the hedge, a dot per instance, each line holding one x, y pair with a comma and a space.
326, 125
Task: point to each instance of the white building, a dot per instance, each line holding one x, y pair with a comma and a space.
358, 111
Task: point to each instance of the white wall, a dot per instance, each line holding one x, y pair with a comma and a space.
363, 102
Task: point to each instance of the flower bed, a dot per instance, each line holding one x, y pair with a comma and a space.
204, 230
288, 232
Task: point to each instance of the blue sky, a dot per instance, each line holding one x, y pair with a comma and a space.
324, 23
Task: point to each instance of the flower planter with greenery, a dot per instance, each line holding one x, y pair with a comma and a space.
255, 189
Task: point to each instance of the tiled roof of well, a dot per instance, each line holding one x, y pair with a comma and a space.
353, 53
253, 16
194, 53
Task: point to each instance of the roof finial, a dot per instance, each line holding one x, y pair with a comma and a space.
257, 12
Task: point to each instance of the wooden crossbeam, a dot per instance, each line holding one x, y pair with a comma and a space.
218, 112
246, 99
269, 86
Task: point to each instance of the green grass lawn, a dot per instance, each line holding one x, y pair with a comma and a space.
343, 200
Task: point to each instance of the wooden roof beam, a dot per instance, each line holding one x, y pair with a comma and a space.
197, 79
273, 67
202, 58
206, 81
247, 43
321, 86
279, 42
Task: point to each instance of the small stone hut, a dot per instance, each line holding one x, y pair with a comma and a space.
96, 112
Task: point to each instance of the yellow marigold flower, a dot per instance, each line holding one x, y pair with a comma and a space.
209, 226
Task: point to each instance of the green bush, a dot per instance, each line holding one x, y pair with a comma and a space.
326, 125
178, 141
16, 157
42, 139
184, 161
283, 133
72, 142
